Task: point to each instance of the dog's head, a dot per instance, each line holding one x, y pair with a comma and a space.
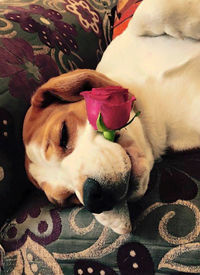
66, 157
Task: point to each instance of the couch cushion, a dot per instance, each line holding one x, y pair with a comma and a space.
165, 237
124, 12
37, 42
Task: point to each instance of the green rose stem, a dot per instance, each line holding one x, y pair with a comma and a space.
137, 114
107, 133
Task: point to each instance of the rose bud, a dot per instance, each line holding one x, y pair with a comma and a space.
113, 103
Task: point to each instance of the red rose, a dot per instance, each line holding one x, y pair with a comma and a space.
114, 103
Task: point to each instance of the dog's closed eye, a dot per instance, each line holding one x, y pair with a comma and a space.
64, 136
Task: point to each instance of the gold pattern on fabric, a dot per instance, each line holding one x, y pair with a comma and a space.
17, 3
97, 249
75, 227
55, 5
106, 29
167, 260
1, 173
146, 212
73, 7
6, 29
40, 49
25, 263
180, 240
184, 243
18, 269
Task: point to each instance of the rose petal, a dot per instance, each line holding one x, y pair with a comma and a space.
115, 117
112, 102
116, 94
94, 97
110, 89
93, 109
112, 94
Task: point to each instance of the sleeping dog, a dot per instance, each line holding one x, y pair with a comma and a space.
158, 59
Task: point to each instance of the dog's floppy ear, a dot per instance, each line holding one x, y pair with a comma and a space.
67, 87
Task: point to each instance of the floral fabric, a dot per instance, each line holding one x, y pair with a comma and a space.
39, 40
124, 12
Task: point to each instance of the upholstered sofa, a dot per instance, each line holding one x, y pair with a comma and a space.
39, 40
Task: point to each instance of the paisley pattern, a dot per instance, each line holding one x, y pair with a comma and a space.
30, 258
88, 18
165, 237
84, 267
175, 253
41, 39
41, 224
48, 24
134, 258
26, 70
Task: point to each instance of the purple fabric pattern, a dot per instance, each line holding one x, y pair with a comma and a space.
55, 33
86, 15
177, 175
41, 222
132, 258
26, 70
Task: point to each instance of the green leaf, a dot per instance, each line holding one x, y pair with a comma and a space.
100, 124
109, 135
101, 127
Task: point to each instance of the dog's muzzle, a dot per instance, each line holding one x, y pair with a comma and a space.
99, 197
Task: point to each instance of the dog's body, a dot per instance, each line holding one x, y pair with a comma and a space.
163, 74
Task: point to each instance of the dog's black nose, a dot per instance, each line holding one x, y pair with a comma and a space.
95, 199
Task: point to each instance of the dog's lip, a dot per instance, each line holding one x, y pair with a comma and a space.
99, 211
132, 184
